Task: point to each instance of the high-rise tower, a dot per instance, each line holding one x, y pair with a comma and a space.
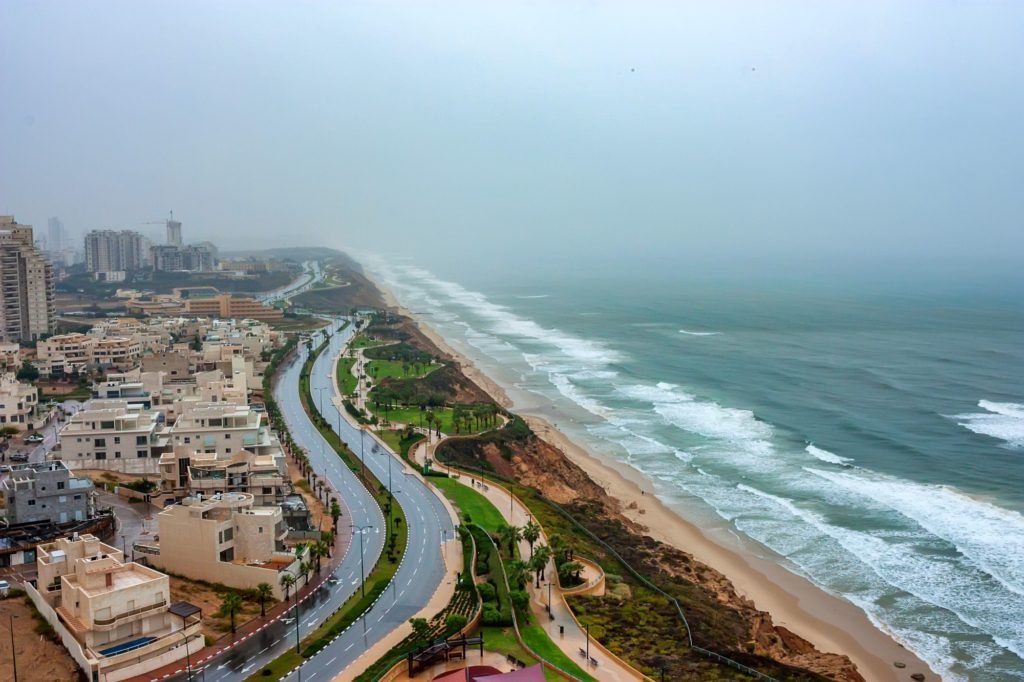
26, 285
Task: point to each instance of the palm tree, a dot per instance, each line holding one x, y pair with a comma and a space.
300, 550
264, 591
314, 554
287, 580
328, 539
305, 568
539, 561
558, 547
509, 535
517, 571
335, 513
230, 604
531, 532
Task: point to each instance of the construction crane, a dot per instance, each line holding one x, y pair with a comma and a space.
160, 222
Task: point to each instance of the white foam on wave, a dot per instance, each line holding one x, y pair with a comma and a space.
534, 296
507, 323
990, 536
570, 391
826, 456
689, 333
1003, 421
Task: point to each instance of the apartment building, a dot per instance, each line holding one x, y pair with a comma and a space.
46, 491
76, 351
115, 251
26, 285
115, 618
113, 435
228, 306
225, 538
19, 403
223, 428
186, 471
174, 364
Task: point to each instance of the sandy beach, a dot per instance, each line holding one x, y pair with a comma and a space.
829, 622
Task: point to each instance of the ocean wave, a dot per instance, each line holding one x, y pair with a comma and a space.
534, 296
1002, 421
826, 456
689, 333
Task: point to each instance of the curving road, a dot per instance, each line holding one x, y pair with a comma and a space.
421, 570
313, 273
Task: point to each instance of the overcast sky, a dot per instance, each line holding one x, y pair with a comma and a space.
703, 130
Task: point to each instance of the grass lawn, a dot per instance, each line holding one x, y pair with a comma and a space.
395, 441
394, 369
470, 502
346, 380
414, 415
537, 639
298, 324
364, 341
503, 641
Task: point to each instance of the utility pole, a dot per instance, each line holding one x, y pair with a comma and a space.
14, 654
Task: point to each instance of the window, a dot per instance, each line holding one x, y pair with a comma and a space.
117, 440
101, 455
78, 497
106, 425
141, 440
187, 440
60, 485
101, 442
261, 529
227, 436
140, 453
62, 499
117, 455
31, 503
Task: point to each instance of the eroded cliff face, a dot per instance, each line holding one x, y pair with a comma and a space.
542, 466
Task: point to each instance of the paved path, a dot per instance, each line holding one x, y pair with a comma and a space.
573, 639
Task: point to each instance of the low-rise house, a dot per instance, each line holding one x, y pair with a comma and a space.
115, 618
46, 491
225, 538
19, 403
81, 350
223, 428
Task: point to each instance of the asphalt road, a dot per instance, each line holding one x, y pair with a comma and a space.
421, 570
304, 282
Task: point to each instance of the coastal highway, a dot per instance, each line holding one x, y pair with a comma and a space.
313, 273
422, 569
278, 637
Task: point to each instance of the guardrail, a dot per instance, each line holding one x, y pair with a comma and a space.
134, 612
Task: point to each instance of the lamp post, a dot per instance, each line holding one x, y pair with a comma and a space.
188, 657
362, 448
362, 565
588, 641
320, 398
549, 596
14, 655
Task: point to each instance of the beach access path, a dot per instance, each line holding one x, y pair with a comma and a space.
561, 625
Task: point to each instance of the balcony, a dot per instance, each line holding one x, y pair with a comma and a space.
105, 623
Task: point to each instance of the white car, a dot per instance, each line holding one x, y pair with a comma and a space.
34, 438
4, 586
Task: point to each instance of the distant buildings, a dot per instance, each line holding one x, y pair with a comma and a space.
109, 434
26, 285
116, 619
46, 491
228, 306
56, 236
110, 251
74, 352
174, 233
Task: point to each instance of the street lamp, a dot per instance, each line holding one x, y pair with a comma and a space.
362, 564
549, 596
14, 656
320, 398
588, 641
362, 447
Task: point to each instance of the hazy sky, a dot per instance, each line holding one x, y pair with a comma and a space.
703, 131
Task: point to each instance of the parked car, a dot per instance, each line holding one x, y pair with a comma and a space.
4, 586
34, 438
19, 457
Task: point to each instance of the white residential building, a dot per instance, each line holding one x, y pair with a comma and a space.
19, 403
113, 435
116, 619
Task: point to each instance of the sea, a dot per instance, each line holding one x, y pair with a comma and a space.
869, 438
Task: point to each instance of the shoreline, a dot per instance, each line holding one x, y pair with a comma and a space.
832, 624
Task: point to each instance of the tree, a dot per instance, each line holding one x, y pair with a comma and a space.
335, 513
328, 540
558, 547
230, 605
305, 568
420, 630
454, 623
287, 580
531, 532
263, 592
569, 570
28, 372
517, 572
509, 535
539, 561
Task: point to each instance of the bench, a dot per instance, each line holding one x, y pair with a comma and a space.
593, 661
583, 653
